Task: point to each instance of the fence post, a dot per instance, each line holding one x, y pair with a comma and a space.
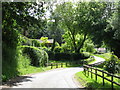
66, 64
103, 78
56, 65
112, 81
51, 66
61, 65
96, 74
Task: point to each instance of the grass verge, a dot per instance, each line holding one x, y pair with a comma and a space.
32, 69
89, 82
105, 55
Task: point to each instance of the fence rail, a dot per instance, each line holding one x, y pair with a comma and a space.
89, 70
58, 65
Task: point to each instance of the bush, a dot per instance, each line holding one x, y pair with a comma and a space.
35, 43
45, 48
25, 41
57, 44
51, 55
63, 56
65, 48
57, 49
23, 59
9, 62
85, 55
66, 56
112, 65
90, 48
38, 57
76, 56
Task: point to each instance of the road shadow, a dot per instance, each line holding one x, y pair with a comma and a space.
15, 81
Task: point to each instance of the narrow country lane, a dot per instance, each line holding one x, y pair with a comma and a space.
98, 59
56, 78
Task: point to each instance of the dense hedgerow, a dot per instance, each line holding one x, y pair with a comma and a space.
38, 57
67, 56
9, 62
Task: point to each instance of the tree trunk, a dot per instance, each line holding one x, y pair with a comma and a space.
78, 49
74, 44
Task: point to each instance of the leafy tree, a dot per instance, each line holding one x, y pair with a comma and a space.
16, 17
20, 16
88, 46
112, 30
81, 19
53, 29
68, 21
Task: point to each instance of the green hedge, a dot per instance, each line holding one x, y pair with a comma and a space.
38, 57
67, 56
35, 43
9, 62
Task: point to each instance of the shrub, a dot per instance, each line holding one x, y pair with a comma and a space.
9, 62
51, 55
65, 48
38, 57
45, 48
57, 44
112, 65
76, 56
23, 59
57, 49
63, 56
25, 41
66, 56
90, 48
35, 43
85, 55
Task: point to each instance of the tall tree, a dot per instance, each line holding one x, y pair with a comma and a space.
112, 30
19, 16
82, 19
16, 16
67, 13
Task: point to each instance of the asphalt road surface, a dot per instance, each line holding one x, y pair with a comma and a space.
56, 78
